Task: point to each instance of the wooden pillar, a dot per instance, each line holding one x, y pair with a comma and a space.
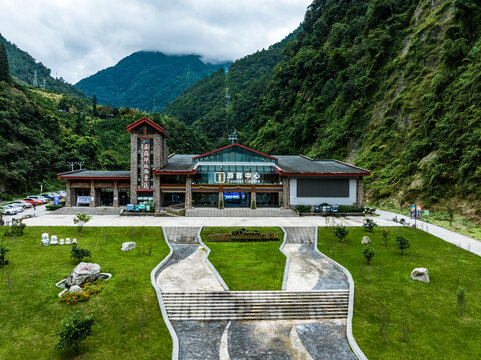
286, 189
92, 193
360, 191
116, 195
188, 193
68, 197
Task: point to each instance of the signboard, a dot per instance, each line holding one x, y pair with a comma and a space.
56, 201
130, 207
83, 200
236, 178
418, 211
426, 212
413, 211
145, 164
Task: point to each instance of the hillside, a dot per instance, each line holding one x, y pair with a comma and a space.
389, 85
23, 67
146, 80
42, 131
204, 104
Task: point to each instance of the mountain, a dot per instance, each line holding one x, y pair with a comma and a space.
204, 104
146, 80
23, 66
391, 85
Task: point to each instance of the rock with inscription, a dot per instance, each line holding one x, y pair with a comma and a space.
127, 246
75, 289
365, 240
83, 273
420, 274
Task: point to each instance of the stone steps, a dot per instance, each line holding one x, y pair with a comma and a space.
257, 305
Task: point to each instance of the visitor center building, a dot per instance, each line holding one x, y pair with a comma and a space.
231, 176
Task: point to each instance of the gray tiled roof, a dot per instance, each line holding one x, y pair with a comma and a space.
96, 174
300, 164
179, 163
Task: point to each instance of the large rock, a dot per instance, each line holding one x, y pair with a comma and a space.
420, 274
75, 289
365, 240
127, 246
83, 273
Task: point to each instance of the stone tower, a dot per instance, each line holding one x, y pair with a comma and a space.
148, 151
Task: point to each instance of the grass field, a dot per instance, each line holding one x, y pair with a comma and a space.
127, 314
398, 318
248, 266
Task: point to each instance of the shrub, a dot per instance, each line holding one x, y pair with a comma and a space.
368, 253
52, 207
3, 252
402, 243
88, 289
303, 209
253, 206
340, 232
350, 208
221, 204
81, 220
79, 254
16, 229
385, 235
75, 328
461, 296
369, 224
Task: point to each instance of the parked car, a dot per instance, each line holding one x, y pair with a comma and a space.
48, 195
22, 203
41, 198
33, 201
12, 210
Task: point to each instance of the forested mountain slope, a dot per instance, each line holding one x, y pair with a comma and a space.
23, 67
146, 80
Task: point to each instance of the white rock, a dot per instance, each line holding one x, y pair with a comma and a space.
83, 273
420, 274
127, 246
74, 241
365, 240
61, 242
75, 289
67, 241
53, 240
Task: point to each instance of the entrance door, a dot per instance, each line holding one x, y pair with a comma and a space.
237, 199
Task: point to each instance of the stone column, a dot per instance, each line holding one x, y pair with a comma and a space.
221, 198
360, 191
68, 198
286, 192
188, 193
116, 195
133, 169
253, 199
92, 193
157, 192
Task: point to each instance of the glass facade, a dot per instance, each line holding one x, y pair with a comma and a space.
235, 154
236, 174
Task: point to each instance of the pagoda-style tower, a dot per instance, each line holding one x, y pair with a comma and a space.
148, 151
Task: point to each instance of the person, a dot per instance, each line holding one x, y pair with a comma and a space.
34, 205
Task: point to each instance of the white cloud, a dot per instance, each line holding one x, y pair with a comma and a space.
78, 38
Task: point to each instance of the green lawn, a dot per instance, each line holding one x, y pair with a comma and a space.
387, 301
249, 266
127, 314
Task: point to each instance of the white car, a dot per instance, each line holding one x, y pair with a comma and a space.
22, 203
12, 210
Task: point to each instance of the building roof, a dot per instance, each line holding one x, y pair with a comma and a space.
302, 165
95, 174
147, 121
235, 145
178, 165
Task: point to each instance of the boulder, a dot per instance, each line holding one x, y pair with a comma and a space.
127, 246
75, 289
365, 240
83, 273
420, 274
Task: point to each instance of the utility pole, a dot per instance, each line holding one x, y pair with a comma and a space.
233, 137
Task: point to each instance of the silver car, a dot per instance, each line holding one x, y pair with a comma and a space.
12, 210
22, 203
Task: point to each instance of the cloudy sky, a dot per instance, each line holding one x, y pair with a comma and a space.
78, 38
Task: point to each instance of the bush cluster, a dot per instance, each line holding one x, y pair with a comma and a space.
88, 290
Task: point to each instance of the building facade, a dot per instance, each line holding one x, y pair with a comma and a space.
232, 176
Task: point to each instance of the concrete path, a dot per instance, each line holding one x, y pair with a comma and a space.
464, 242
240, 212
181, 221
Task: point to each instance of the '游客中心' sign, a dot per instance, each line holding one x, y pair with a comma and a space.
236, 178
145, 164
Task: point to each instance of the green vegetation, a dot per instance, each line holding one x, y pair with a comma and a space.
4, 68
80, 220
251, 266
126, 310
75, 328
79, 254
146, 80
398, 318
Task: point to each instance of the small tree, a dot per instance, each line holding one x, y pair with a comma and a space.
402, 243
75, 328
369, 224
81, 220
368, 253
221, 204
79, 254
340, 232
461, 295
17, 228
3, 252
4, 67
385, 235
253, 206
450, 215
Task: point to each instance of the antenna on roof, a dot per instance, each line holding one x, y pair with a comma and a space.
233, 137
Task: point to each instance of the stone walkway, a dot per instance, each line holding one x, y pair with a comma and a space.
240, 212
107, 210
186, 271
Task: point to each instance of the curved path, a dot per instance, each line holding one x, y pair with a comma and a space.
186, 278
